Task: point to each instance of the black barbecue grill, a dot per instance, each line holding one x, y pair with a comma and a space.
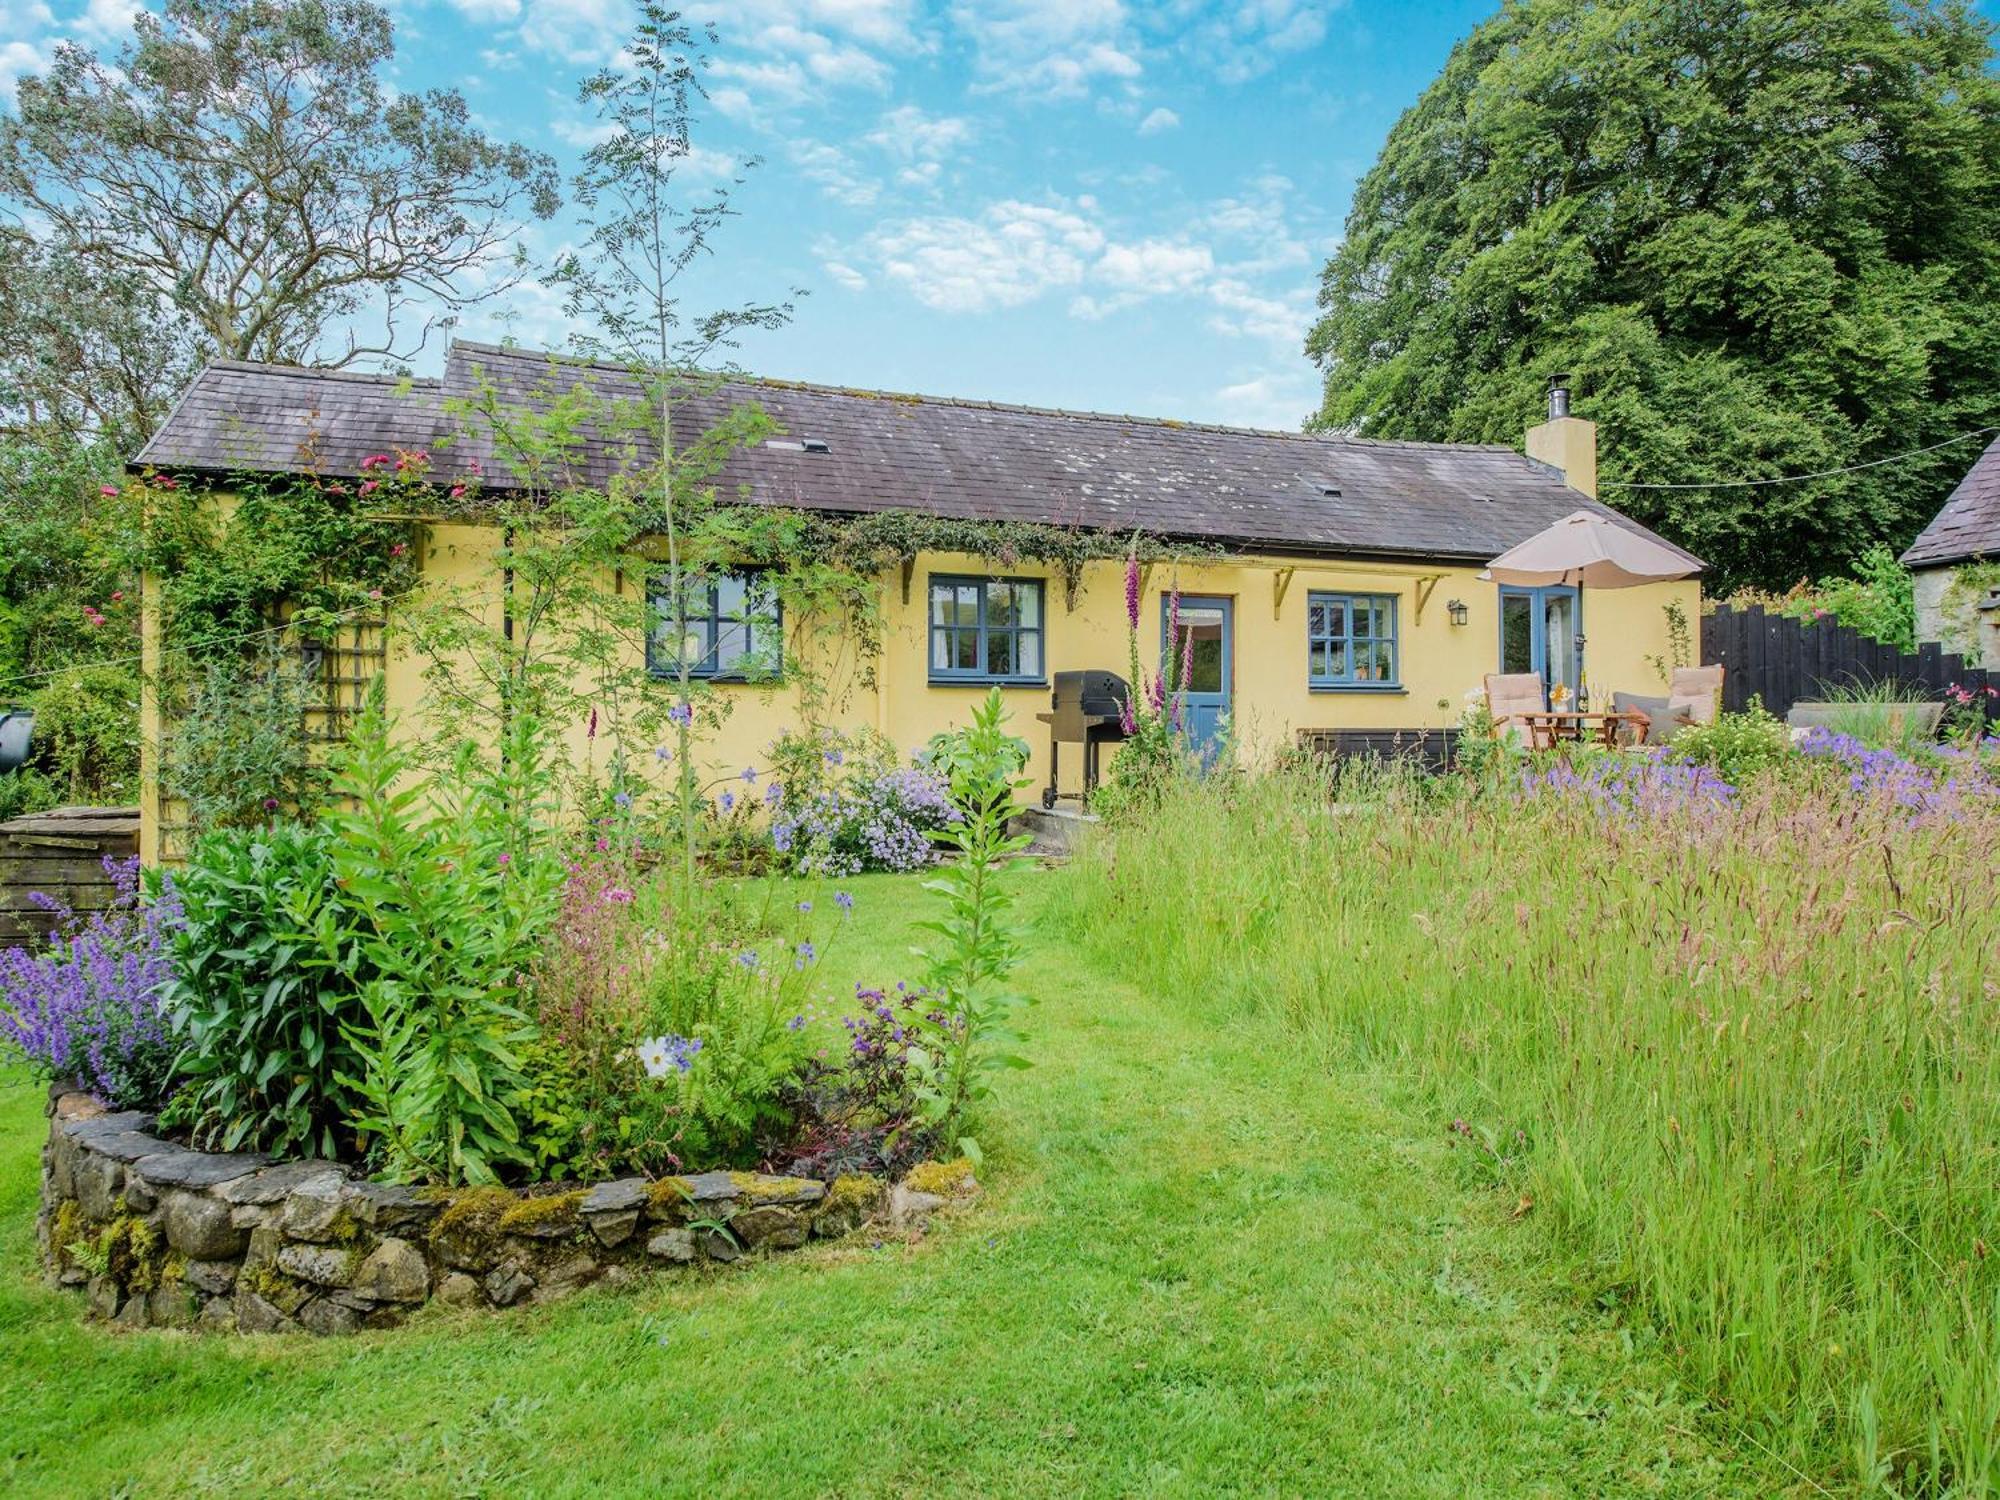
1087, 709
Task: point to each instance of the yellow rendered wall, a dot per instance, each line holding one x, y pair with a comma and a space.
1271, 700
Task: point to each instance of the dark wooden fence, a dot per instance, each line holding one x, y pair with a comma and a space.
1785, 661
60, 854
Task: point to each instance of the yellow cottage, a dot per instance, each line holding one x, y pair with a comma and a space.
1338, 598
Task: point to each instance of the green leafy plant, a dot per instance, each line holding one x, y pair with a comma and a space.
451, 883
1737, 747
262, 995
969, 1037
87, 731
238, 755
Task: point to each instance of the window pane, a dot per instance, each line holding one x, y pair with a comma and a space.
1386, 659
732, 644
968, 605
1028, 603
1031, 653
1000, 653
999, 603
730, 590
760, 598
940, 650
1205, 625
941, 602
1336, 660
1517, 630
1317, 660
965, 650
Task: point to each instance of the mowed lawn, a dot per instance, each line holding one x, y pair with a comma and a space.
1204, 1265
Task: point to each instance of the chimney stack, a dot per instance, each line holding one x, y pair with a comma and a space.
1558, 397
1565, 442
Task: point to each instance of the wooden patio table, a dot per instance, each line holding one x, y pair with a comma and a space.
1552, 726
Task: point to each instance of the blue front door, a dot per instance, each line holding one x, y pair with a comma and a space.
1204, 648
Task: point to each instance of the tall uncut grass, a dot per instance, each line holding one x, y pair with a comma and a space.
1740, 1052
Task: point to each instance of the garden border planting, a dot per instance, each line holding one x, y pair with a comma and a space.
160, 1235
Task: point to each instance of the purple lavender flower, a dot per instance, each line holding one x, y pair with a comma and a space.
843, 900
88, 1006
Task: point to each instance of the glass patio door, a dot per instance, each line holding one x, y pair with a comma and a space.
1539, 634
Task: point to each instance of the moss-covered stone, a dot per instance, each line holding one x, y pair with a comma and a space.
947, 1179
549, 1216
850, 1202
754, 1189
268, 1283
667, 1201
467, 1232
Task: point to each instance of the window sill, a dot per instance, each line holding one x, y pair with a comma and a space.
722, 679
987, 682
1380, 689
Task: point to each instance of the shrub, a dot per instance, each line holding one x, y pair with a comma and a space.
263, 993
1736, 747
87, 731
858, 810
88, 1006
857, 1112
26, 791
238, 753
452, 885
670, 1034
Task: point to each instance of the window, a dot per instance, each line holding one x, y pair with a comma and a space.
734, 628
1351, 640
986, 629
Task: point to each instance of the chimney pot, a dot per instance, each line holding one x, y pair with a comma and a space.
1558, 397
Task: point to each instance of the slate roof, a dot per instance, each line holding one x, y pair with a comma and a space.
979, 460
1969, 524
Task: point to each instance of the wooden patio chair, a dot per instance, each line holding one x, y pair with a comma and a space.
1510, 694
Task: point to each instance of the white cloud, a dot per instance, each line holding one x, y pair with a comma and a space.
1247, 38
909, 134
1015, 252
17, 61
847, 276
1279, 399
103, 21
835, 173
1052, 49
1010, 255
487, 11
587, 32
1159, 120
1243, 311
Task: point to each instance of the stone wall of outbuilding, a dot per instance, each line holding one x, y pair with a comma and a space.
158, 1234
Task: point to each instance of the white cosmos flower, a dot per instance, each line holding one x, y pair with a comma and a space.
654, 1057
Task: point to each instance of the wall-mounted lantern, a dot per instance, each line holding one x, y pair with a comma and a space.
1457, 610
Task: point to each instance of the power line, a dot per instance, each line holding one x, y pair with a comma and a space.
1738, 484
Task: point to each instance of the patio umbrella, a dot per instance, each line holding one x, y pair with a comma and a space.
1588, 548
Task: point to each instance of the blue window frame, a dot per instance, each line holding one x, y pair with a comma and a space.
985, 629
735, 628
1351, 641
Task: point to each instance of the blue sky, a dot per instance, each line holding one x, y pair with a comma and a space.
1089, 203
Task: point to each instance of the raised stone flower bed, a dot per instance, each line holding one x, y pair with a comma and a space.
157, 1234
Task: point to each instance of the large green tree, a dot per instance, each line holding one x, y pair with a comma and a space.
1763, 234
238, 180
